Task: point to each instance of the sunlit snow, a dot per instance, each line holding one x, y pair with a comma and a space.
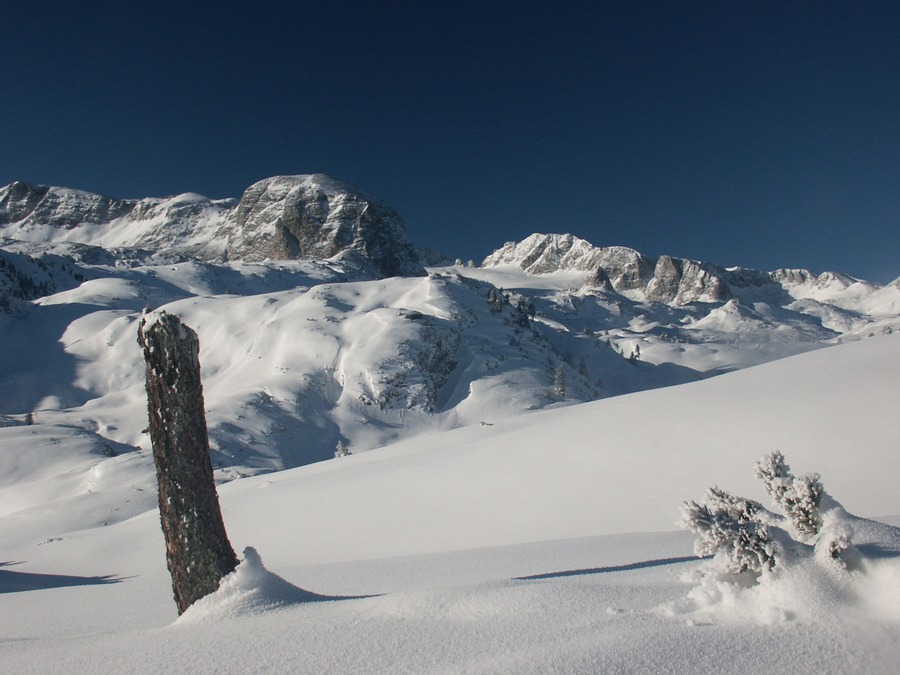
484, 522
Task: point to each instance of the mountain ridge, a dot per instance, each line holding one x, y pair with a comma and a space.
315, 216
353, 341
279, 218
501, 497
666, 279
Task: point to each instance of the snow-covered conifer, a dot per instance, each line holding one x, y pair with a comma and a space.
495, 299
559, 381
801, 504
798, 498
730, 528
775, 475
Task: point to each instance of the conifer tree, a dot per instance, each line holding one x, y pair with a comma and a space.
559, 381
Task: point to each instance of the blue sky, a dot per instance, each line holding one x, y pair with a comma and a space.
756, 134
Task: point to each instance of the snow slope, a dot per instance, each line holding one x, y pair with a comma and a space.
536, 543
522, 435
301, 355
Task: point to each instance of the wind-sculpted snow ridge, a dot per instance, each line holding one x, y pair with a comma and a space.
280, 218
316, 359
249, 590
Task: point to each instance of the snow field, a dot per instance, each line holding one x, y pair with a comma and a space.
509, 530
442, 532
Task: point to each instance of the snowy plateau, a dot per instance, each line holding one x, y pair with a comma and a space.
518, 437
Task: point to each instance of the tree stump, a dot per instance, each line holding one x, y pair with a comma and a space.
198, 553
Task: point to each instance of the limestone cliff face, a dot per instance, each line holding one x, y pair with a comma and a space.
670, 280
58, 207
281, 218
626, 269
678, 282
315, 216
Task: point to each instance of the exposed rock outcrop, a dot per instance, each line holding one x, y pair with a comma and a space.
678, 281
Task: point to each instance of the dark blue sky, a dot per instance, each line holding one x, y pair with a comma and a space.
745, 133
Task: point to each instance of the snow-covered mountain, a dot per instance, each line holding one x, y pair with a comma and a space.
280, 218
319, 327
670, 280
490, 439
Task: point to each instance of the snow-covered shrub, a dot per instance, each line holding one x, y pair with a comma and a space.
799, 498
775, 475
731, 528
743, 536
801, 505
834, 546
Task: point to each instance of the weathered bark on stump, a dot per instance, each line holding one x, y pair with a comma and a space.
198, 553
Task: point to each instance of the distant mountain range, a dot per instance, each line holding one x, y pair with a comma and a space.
669, 280
317, 217
321, 323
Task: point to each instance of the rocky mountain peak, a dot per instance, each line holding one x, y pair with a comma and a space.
281, 218
544, 253
667, 279
316, 216
671, 280
34, 205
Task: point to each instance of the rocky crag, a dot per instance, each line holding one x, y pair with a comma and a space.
281, 218
667, 279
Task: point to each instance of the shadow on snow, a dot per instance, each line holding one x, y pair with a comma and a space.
613, 568
15, 582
